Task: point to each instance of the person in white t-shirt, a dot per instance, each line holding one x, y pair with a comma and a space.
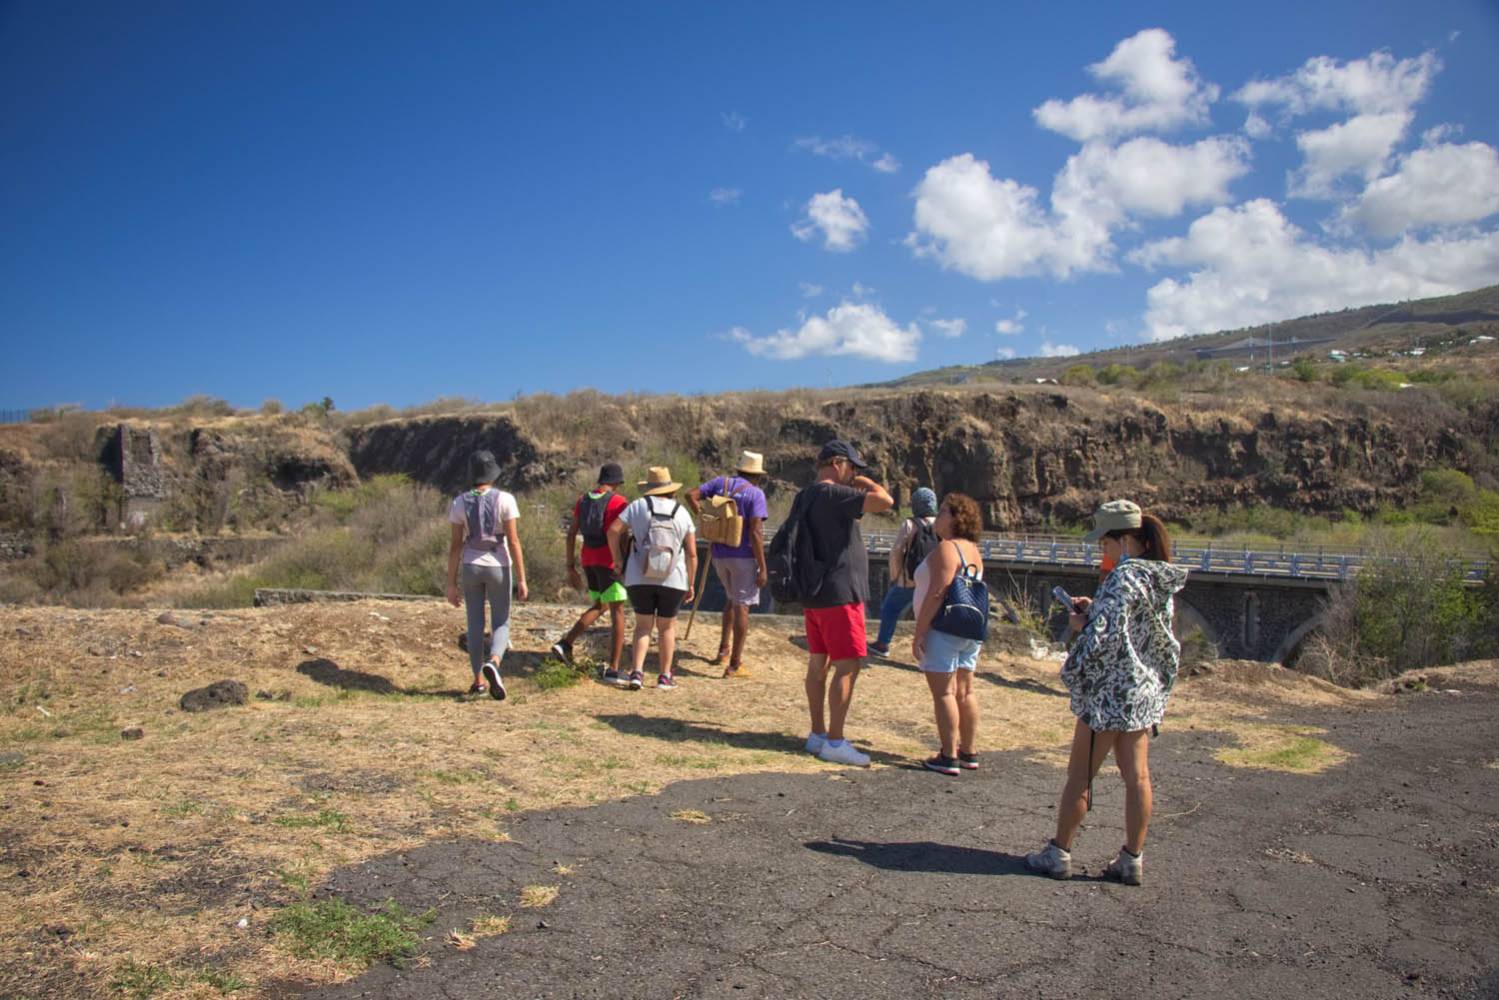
485, 544
659, 572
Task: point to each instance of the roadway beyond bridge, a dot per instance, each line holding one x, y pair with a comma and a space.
1250, 604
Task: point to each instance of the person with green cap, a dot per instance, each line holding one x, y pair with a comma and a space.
1119, 671
485, 544
914, 541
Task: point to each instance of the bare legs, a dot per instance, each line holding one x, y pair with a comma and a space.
616, 629
957, 710
837, 694
731, 634
1131, 753
667, 629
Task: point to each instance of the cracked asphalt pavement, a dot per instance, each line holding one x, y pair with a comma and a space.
1378, 878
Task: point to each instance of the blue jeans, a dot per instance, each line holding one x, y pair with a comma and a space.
896, 603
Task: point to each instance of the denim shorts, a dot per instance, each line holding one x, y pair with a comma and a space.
945, 653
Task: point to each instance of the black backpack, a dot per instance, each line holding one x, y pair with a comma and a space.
591, 511
791, 563
920, 545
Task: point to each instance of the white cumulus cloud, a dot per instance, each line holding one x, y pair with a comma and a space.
1249, 265
949, 327
1050, 350
1360, 146
991, 228
1441, 185
1010, 327
1376, 84
1159, 93
854, 329
839, 219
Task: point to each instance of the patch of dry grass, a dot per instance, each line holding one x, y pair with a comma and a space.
695, 816
1292, 749
154, 850
534, 897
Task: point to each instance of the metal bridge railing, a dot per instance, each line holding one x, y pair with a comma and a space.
1054, 551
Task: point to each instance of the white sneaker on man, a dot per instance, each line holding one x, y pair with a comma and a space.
815, 743
843, 753
1050, 860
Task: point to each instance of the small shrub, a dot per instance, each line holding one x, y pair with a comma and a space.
553, 674
141, 982
272, 407
1125, 376
1079, 374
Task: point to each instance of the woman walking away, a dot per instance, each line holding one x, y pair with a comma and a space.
660, 570
947, 660
913, 543
1120, 672
485, 542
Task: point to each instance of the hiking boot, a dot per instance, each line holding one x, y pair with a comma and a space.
942, 765
815, 743
1051, 860
666, 682
1126, 867
491, 672
610, 675
968, 761
843, 753
563, 650
637, 680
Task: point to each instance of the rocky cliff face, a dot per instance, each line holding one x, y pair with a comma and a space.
1030, 456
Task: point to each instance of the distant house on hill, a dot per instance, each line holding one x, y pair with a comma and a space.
1252, 345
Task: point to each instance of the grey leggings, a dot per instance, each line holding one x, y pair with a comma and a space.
490, 583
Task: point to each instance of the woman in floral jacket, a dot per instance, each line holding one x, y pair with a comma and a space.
1120, 672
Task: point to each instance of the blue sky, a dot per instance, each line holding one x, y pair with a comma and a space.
386, 202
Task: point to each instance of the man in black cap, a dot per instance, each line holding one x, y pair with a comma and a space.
834, 613
592, 515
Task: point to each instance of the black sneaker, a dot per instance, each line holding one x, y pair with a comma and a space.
491, 674
968, 761
611, 676
563, 650
942, 765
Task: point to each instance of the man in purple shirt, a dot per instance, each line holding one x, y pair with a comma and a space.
741, 568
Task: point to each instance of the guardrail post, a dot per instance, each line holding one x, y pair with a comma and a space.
1295, 564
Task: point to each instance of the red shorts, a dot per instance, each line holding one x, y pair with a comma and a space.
838, 632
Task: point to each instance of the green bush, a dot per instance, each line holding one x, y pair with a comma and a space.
1120, 375
1305, 371
1079, 374
1408, 608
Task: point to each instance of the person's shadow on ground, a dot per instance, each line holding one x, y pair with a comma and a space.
1021, 684
925, 856
678, 730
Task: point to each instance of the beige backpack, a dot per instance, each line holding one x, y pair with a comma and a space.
720, 520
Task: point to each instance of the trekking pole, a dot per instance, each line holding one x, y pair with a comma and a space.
697, 598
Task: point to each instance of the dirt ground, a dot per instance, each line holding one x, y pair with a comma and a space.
174, 849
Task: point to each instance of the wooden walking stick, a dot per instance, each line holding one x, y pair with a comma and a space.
697, 598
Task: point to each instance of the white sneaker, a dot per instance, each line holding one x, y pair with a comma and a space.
1127, 868
815, 743
1050, 860
843, 753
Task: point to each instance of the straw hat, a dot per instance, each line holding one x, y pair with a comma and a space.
751, 463
658, 482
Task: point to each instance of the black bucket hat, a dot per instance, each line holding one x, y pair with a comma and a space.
482, 468
611, 474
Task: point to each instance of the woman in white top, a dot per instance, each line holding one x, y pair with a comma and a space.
659, 573
949, 661
484, 541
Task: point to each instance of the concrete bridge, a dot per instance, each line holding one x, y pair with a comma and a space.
1250, 604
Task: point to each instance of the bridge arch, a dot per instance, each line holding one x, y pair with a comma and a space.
1188, 618
1293, 640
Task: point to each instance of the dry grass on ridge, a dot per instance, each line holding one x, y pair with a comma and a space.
151, 851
